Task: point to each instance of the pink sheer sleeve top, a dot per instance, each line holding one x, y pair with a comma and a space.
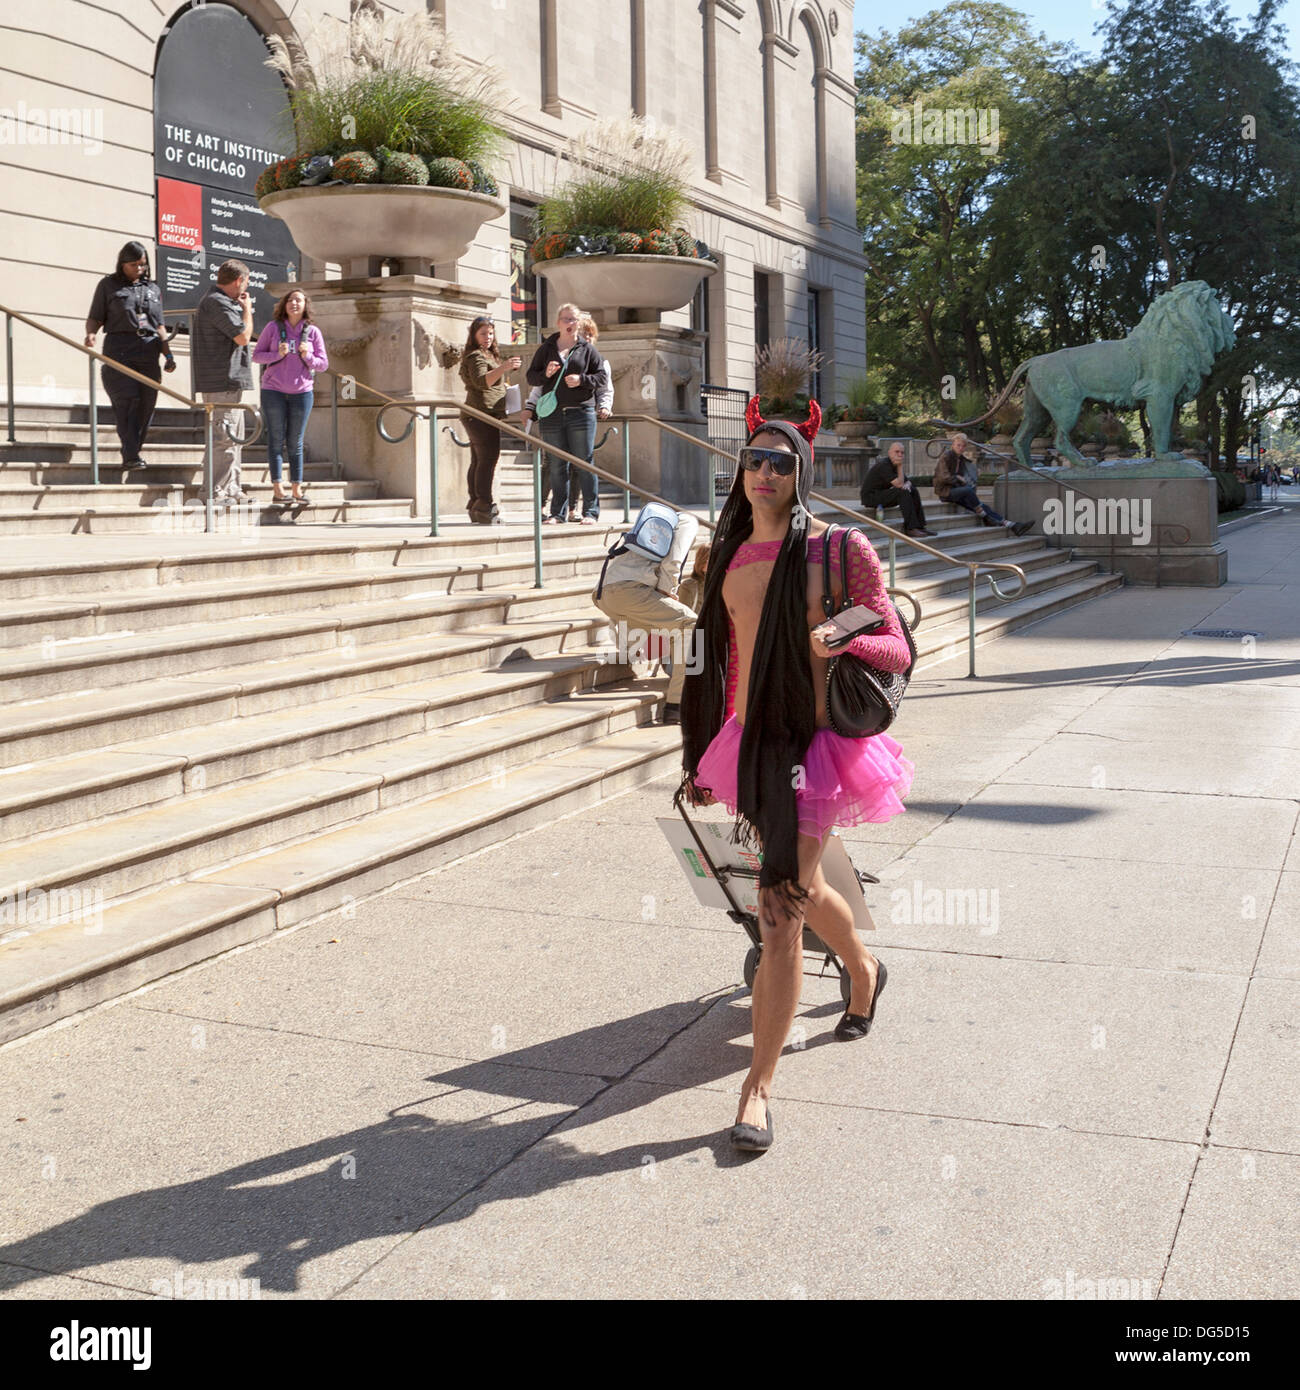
886, 648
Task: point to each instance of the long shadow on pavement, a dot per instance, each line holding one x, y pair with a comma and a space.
280, 1224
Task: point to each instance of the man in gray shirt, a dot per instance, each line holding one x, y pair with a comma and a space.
221, 360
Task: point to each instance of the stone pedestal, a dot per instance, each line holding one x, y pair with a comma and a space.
392, 333
657, 371
1131, 517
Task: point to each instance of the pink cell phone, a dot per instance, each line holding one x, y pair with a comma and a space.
851, 623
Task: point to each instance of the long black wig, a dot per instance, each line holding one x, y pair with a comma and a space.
781, 709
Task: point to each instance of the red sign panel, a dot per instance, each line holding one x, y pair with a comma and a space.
180, 214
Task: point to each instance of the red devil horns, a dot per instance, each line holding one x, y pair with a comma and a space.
813, 423
809, 428
753, 418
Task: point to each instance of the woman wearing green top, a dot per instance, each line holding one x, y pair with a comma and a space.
483, 371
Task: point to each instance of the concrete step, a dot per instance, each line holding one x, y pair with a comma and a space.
217, 559
64, 497
165, 416
946, 639
187, 518
195, 832
28, 672
79, 788
418, 738
946, 593
47, 621
61, 725
162, 453
59, 970
24, 473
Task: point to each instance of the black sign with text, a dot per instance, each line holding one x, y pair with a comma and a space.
220, 117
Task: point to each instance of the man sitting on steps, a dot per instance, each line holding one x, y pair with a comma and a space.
885, 486
955, 479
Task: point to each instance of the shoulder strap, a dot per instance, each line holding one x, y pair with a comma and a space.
618, 548
828, 598
846, 599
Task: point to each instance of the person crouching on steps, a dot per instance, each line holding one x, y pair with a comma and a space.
484, 372
641, 598
291, 350
756, 733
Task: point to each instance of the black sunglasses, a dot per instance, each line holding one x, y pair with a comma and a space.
778, 460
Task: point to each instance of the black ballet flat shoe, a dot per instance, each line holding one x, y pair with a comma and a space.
750, 1139
854, 1026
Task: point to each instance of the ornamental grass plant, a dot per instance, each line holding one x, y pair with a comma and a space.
625, 175
784, 368
384, 82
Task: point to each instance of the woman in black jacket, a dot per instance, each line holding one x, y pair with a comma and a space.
128, 305
572, 425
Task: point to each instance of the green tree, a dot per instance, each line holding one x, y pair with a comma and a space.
926, 189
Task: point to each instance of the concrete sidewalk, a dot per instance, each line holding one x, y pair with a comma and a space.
513, 1078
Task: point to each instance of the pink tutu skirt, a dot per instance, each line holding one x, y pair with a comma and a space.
846, 781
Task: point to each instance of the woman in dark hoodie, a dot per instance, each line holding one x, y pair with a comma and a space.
571, 367
128, 306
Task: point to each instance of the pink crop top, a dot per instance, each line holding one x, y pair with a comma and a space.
886, 648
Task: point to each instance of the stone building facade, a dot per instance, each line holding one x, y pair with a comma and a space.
762, 90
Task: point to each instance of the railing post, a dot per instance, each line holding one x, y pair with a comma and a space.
971, 634
433, 470
713, 487
627, 470
94, 426
334, 417
893, 545
537, 515
209, 521
9, 375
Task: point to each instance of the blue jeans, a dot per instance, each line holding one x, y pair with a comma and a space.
573, 428
285, 415
964, 496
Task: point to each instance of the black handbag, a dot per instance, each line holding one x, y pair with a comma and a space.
861, 700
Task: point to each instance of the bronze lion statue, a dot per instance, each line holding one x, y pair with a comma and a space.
1161, 365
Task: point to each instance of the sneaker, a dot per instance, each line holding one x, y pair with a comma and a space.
672, 714
552, 520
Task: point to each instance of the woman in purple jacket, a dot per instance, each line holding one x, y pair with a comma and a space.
291, 350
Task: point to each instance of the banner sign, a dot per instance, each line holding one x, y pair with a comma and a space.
220, 117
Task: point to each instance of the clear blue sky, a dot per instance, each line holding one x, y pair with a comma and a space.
1065, 20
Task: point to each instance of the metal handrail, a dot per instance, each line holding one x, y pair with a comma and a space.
434, 404
92, 356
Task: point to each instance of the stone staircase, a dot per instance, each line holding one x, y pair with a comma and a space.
203, 742
200, 750
46, 479
1054, 580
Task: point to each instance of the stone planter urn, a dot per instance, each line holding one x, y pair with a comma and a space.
857, 430
1002, 443
1090, 451
645, 286
1040, 444
354, 225
1111, 451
